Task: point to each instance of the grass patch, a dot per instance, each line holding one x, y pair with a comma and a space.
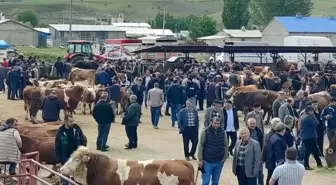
48, 55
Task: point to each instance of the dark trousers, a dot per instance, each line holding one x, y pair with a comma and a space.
209, 103
132, 135
320, 141
9, 91
50, 120
243, 179
14, 89
103, 132
190, 134
22, 85
311, 148
2, 84
175, 109
233, 137
59, 74
167, 108
200, 100
269, 175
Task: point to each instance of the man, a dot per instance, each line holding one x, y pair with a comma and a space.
246, 159
13, 78
219, 90
286, 109
304, 101
59, 67
290, 173
114, 92
277, 103
191, 91
104, 116
131, 122
212, 152
188, 124
308, 135
51, 107
231, 124
156, 100
320, 128
66, 69
329, 114
210, 92
276, 150
102, 78
138, 90
267, 137
44, 70
11, 143
68, 138
258, 115
256, 134
3, 73
214, 111
176, 99
289, 136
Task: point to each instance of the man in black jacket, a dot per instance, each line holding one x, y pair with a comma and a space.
175, 98
59, 67
68, 138
104, 116
51, 107
131, 122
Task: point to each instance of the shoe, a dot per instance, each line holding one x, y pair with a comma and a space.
320, 166
98, 148
140, 122
167, 114
155, 127
309, 168
105, 150
12, 173
126, 145
187, 159
128, 148
231, 153
193, 157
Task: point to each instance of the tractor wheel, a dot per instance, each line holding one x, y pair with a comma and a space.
75, 59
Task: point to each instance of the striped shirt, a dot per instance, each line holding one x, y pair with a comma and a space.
191, 118
290, 173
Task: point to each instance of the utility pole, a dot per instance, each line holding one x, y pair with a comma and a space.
164, 20
70, 23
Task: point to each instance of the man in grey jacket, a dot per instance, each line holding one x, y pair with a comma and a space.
156, 99
286, 109
214, 111
277, 103
246, 161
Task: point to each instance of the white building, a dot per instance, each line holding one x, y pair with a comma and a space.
280, 27
232, 35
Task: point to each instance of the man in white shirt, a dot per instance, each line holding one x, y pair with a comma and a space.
290, 173
231, 124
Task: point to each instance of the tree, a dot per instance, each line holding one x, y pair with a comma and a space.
202, 26
265, 10
235, 13
28, 16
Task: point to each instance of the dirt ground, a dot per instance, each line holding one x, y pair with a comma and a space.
163, 143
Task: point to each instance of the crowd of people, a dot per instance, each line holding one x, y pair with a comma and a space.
222, 134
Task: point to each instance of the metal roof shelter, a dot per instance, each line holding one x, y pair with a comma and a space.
259, 50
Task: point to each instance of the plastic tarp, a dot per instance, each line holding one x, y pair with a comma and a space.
3, 44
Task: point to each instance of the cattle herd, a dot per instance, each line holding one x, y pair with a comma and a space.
41, 137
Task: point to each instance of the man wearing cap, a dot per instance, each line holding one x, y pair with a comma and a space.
51, 107
214, 111
277, 103
329, 114
258, 115
188, 124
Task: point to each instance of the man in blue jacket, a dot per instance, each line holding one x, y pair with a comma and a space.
103, 78
308, 135
192, 91
329, 114
188, 124
138, 90
104, 116
51, 107
176, 99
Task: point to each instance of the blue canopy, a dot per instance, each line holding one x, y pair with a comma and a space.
3, 44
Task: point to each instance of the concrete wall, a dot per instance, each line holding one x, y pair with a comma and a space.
274, 33
17, 35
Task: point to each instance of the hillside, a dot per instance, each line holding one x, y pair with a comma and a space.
56, 11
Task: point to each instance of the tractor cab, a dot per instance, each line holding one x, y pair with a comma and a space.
80, 50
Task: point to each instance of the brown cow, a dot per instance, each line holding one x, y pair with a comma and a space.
69, 98
90, 97
247, 88
40, 130
282, 65
323, 98
78, 74
49, 83
96, 169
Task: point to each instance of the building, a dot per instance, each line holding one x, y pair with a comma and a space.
132, 25
280, 27
18, 34
232, 35
161, 32
96, 33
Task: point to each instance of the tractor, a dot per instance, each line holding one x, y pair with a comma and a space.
79, 50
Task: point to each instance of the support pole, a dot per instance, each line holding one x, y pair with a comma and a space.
70, 23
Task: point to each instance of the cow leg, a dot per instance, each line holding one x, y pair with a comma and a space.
83, 106
27, 107
269, 115
91, 107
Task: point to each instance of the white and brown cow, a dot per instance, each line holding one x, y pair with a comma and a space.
33, 97
96, 169
91, 96
49, 83
78, 74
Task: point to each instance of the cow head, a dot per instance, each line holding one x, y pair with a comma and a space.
76, 165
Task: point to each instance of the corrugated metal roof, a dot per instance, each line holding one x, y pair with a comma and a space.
44, 30
241, 33
159, 32
80, 27
212, 37
131, 24
308, 24
135, 32
9, 20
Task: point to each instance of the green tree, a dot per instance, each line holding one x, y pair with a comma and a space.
265, 10
202, 26
28, 16
235, 13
